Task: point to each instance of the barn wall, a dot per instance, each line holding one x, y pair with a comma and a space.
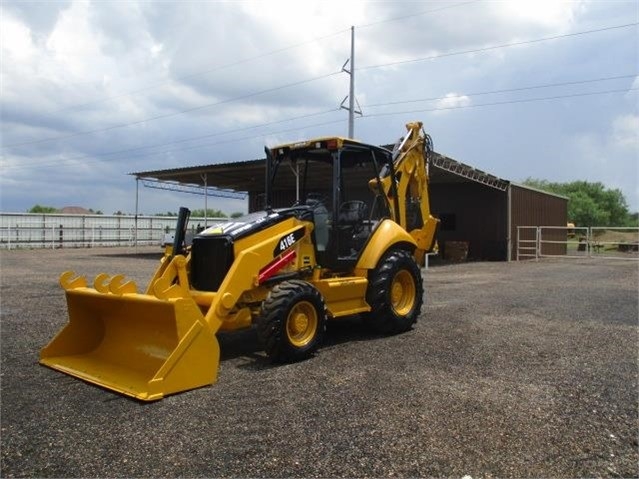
476, 214
535, 208
473, 213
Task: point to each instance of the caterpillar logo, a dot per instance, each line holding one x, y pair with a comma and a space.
289, 240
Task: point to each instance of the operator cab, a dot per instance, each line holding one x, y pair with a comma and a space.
337, 179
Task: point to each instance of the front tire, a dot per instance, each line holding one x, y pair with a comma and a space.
292, 321
395, 293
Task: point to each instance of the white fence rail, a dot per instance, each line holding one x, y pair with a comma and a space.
31, 230
534, 242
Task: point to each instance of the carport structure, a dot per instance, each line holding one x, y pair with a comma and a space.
475, 207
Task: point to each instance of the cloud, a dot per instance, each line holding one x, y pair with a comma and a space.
75, 45
625, 133
78, 66
425, 30
40, 17
608, 156
16, 42
549, 14
452, 101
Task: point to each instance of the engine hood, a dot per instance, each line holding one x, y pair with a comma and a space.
249, 224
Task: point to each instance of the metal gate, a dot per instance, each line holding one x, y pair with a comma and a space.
534, 242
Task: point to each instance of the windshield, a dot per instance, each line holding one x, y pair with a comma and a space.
309, 176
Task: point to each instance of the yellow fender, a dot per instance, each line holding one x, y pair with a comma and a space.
386, 235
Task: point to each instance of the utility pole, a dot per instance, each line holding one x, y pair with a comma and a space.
351, 90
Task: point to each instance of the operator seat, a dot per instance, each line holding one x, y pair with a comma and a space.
320, 219
350, 220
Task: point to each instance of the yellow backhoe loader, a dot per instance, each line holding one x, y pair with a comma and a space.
352, 243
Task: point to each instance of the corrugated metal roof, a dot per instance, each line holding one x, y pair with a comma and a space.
468, 172
249, 175
238, 176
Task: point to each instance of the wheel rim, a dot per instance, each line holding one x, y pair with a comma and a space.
301, 324
403, 291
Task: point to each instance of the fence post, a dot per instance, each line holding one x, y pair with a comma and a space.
8, 237
537, 243
61, 235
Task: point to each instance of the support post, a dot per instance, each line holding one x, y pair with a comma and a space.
509, 226
206, 200
351, 89
137, 197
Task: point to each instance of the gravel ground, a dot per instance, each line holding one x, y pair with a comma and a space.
514, 370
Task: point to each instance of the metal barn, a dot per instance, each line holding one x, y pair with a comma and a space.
478, 211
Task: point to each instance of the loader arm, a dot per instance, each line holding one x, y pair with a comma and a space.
258, 257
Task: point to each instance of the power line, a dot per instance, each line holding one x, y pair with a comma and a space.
167, 115
92, 158
506, 90
204, 72
529, 100
323, 112
329, 75
495, 47
415, 14
255, 57
183, 140
318, 78
175, 113
308, 80
508, 102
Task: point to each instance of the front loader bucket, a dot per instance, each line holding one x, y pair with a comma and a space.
135, 344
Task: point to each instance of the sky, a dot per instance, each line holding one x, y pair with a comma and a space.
91, 91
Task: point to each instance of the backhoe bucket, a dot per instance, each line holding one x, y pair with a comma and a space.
135, 344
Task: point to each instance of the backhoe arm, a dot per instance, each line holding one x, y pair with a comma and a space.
411, 173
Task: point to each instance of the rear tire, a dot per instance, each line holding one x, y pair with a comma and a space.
292, 321
395, 293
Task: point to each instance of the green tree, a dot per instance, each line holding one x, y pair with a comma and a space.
209, 213
42, 209
590, 204
237, 214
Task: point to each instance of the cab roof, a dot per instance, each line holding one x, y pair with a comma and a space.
327, 143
